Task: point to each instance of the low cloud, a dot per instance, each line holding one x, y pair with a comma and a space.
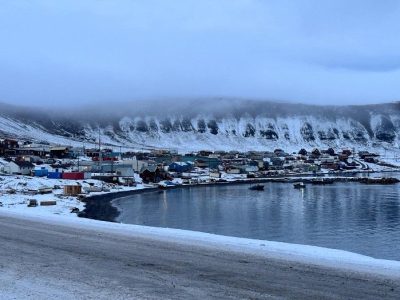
63, 53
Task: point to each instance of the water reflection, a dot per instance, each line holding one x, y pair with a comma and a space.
350, 216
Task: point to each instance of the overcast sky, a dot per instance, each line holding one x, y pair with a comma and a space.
85, 51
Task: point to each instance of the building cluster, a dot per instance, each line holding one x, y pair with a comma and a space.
66, 162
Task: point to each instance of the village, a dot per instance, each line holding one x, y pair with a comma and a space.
40, 174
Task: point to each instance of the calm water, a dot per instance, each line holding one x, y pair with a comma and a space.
350, 216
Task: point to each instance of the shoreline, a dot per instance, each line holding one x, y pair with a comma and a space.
99, 207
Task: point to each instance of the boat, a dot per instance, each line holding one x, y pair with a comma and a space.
166, 184
322, 181
91, 189
45, 190
257, 187
299, 185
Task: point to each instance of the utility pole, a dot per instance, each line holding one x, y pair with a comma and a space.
100, 154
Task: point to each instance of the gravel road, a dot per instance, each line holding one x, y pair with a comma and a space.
44, 261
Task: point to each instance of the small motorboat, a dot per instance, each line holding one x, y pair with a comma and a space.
299, 185
166, 184
257, 187
322, 181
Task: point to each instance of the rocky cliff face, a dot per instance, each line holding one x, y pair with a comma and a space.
239, 125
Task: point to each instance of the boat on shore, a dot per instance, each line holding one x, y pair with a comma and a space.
256, 187
45, 190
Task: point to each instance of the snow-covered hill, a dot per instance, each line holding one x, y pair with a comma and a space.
223, 125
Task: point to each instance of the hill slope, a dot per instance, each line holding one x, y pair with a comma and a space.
215, 125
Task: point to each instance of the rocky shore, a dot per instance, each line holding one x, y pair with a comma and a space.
99, 207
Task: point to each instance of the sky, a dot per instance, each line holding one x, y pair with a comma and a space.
66, 52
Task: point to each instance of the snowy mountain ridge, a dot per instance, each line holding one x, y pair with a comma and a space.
236, 125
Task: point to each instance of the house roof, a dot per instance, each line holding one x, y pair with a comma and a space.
59, 148
150, 168
24, 164
181, 163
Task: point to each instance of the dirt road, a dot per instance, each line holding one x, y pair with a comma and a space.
43, 261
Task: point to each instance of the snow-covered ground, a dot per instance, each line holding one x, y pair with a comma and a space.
387, 163
17, 191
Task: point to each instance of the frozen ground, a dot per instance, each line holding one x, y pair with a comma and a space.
16, 191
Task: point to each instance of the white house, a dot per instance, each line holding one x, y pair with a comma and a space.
137, 165
19, 167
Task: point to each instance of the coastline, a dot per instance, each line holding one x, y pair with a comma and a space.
100, 206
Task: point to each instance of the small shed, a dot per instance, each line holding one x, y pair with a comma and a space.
72, 190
